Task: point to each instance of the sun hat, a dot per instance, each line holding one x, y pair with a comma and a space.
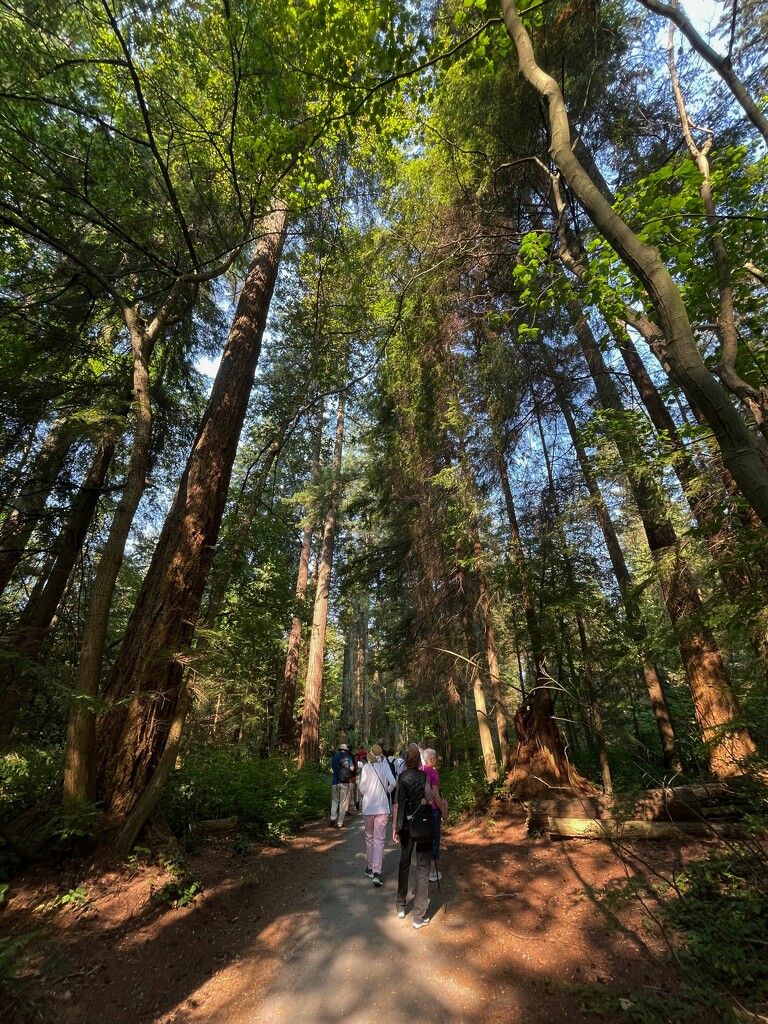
343, 746
375, 753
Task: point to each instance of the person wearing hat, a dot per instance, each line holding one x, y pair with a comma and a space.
374, 786
343, 769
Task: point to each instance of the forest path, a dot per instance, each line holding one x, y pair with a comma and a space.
296, 933
354, 960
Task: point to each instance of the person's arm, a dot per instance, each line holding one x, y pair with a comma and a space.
395, 833
441, 804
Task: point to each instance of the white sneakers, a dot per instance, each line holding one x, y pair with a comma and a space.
435, 876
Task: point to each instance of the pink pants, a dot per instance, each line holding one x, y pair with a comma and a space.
375, 834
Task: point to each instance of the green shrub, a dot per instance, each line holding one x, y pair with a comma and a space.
720, 912
465, 787
271, 798
27, 774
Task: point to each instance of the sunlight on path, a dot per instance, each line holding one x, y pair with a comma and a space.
356, 961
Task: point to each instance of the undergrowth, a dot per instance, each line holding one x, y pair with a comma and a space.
271, 797
27, 775
714, 917
465, 787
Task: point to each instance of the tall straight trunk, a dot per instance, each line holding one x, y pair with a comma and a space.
80, 750
286, 726
79, 757
28, 506
535, 724
309, 744
363, 676
146, 681
478, 691
348, 680
491, 653
737, 443
627, 589
39, 615
485, 601
714, 700
586, 658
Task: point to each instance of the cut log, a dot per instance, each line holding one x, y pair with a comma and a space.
691, 803
219, 824
580, 828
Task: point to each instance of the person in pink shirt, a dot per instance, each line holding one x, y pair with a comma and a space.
439, 807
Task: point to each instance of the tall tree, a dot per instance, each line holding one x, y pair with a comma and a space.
309, 742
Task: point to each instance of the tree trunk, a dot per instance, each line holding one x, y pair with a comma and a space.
478, 692
146, 681
634, 620
736, 441
491, 653
722, 65
713, 697
29, 505
38, 616
286, 727
547, 755
80, 751
309, 744
755, 399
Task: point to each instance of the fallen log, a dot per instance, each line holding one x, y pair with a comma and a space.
699, 809
580, 828
219, 824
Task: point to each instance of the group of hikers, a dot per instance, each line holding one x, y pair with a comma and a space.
377, 783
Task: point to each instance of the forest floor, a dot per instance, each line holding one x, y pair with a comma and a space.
297, 933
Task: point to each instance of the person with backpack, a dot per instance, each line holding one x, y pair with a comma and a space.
413, 793
439, 806
374, 786
342, 772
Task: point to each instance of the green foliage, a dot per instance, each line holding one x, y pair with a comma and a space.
27, 774
720, 912
182, 889
11, 959
465, 787
714, 915
79, 823
77, 897
642, 1006
271, 798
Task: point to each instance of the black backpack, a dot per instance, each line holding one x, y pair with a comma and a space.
418, 817
345, 769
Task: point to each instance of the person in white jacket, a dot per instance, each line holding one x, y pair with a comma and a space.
374, 785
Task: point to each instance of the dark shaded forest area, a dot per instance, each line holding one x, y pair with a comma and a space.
397, 371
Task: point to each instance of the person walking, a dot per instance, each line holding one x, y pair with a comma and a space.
413, 788
342, 772
439, 807
374, 786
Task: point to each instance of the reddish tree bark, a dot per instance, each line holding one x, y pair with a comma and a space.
146, 682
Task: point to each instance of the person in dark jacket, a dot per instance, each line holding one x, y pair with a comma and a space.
343, 768
412, 789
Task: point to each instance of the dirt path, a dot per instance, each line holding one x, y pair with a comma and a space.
354, 960
298, 934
